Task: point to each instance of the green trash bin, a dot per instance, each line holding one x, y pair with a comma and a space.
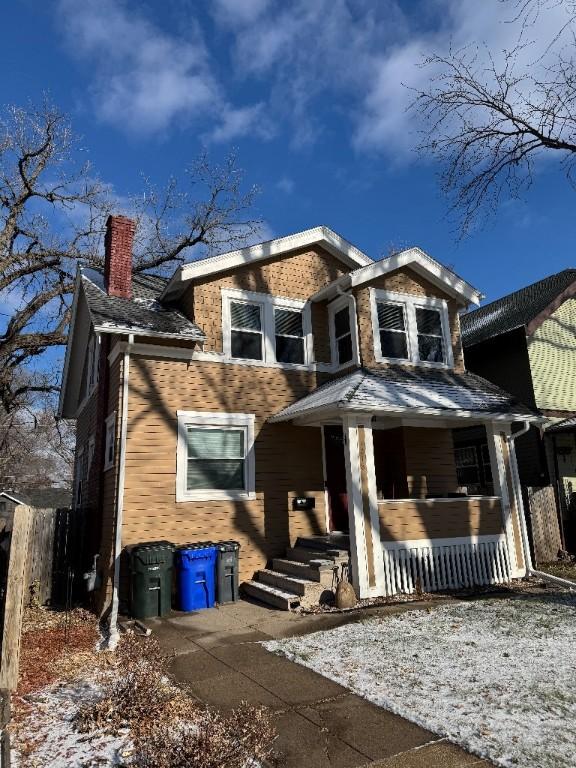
227, 571
151, 567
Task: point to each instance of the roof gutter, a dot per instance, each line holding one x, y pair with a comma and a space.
114, 635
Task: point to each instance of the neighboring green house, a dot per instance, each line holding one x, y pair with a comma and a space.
526, 343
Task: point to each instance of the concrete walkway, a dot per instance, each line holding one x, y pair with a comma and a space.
320, 724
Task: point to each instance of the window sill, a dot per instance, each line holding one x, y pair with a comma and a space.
215, 496
412, 363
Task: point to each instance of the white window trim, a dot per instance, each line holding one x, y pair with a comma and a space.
212, 419
111, 419
336, 306
79, 474
92, 373
410, 303
91, 449
268, 303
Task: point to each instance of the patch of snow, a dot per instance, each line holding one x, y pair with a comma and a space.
95, 277
497, 677
47, 736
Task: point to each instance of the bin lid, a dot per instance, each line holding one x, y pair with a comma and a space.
227, 546
146, 545
205, 552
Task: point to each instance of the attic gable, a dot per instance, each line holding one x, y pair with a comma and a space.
415, 259
323, 236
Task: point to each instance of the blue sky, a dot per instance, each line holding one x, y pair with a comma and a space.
310, 94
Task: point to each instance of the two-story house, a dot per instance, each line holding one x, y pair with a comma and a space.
526, 343
298, 397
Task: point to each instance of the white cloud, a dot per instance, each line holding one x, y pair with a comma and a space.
239, 11
286, 185
145, 79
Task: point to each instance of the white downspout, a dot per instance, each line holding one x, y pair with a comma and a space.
530, 570
517, 490
114, 635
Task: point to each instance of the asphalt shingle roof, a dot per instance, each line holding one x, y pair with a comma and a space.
141, 313
398, 389
514, 310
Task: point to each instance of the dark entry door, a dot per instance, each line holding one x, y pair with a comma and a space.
336, 478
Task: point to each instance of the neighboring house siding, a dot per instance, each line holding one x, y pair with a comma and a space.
552, 353
296, 276
288, 459
409, 520
504, 360
405, 281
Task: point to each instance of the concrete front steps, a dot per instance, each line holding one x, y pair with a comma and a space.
298, 580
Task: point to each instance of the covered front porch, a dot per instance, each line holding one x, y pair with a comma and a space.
395, 483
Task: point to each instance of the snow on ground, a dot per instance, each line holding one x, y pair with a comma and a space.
496, 676
47, 737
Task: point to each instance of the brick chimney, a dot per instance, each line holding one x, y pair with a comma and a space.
118, 256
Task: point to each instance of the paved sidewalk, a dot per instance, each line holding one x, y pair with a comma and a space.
320, 724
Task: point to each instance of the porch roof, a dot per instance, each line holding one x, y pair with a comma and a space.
402, 390
566, 425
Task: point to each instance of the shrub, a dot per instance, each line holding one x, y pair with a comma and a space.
203, 738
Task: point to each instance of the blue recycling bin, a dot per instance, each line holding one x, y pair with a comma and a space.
196, 573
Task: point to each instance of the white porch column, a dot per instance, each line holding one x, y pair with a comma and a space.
502, 479
367, 561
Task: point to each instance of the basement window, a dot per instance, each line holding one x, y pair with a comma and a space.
215, 456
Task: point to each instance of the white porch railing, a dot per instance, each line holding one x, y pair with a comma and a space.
437, 564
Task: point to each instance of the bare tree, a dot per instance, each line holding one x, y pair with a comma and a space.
36, 448
52, 215
490, 115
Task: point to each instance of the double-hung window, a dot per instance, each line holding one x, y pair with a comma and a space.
110, 441
430, 335
392, 330
410, 328
289, 335
265, 329
342, 331
246, 337
215, 457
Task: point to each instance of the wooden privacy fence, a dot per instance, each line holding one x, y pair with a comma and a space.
544, 521
40, 561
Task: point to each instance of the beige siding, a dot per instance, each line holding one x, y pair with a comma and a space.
411, 520
430, 463
552, 354
288, 459
296, 276
407, 281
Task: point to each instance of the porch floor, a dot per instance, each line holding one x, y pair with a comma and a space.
320, 724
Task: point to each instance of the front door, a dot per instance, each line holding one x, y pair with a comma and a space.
336, 478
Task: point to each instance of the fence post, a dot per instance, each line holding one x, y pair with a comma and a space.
14, 600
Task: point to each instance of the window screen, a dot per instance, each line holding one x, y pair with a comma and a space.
246, 330
215, 459
343, 336
289, 335
430, 337
392, 326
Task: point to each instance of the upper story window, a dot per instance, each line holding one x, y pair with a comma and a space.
343, 331
109, 441
289, 335
410, 329
246, 330
266, 329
